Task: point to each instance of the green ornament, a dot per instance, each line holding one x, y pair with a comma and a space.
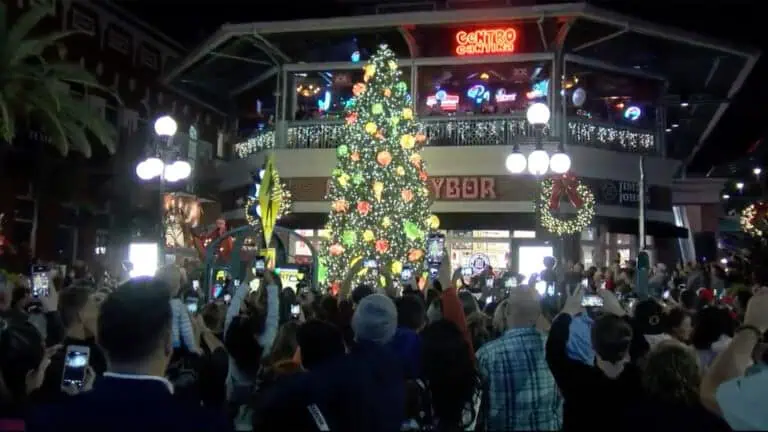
412, 231
395, 120
358, 178
377, 108
401, 86
336, 172
349, 238
342, 150
322, 270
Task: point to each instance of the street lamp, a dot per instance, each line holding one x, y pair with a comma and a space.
165, 165
538, 162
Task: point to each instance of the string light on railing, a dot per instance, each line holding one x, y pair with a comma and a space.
756, 171
740, 186
726, 197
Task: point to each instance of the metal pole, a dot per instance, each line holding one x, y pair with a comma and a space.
641, 200
161, 245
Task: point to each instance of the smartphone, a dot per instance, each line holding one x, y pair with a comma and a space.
541, 287
591, 300
295, 311
259, 266
631, 303
75, 365
406, 275
433, 272
602, 285
41, 280
237, 283
227, 298
196, 285
435, 248
489, 282
585, 282
489, 300
665, 296
191, 303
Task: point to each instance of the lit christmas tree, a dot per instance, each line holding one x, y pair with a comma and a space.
379, 197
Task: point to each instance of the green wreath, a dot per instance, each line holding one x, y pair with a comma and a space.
582, 198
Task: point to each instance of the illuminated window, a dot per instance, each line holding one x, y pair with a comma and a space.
490, 234
523, 234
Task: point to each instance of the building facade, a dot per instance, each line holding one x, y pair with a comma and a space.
78, 211
613, 96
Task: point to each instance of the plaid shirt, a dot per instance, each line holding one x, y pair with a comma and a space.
522, 393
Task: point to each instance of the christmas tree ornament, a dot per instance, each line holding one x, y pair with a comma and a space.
400, 171
377, 109
407, 141
363, 207
368, 236
433, 222
371, 128
336, 249
387, 92
406, 195
357, 90
407, 114
384, 158
349, 238
378, 188
355, 156
397, 267
382, 246
342, 150
351, 118
386, 222
340, 205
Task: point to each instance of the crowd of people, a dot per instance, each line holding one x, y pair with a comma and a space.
585, 356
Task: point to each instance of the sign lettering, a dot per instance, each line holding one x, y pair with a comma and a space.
463, 188
486, 41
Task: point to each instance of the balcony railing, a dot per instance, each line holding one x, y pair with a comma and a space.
462, 131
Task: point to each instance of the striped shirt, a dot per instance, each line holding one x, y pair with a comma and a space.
522, 393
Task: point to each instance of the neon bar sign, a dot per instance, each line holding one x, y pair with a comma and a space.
486, 41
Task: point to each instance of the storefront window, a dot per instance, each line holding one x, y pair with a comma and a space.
588, 234
609, 97
490, 89
587, 256
324, 95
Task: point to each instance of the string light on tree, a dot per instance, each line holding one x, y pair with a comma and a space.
754, 219
379, 196
553, 190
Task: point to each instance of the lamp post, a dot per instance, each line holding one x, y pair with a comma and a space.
538, 161
164, 164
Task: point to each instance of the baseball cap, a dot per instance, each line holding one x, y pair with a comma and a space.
648, 317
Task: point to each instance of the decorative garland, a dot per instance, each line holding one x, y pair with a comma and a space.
754, 218
252, 203
552, 191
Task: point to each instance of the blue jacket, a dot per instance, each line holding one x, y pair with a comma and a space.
125, 405
361, 391
407, 346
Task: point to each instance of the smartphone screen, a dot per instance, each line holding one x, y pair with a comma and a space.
584, 283
665, 296
295, 310
510, 283
466, 271
41, 280
541, 287
75, 364
259, 265
406, 275
191, 303
196, 285
433, 272
489, 282
435, 247
227, 298
592, 301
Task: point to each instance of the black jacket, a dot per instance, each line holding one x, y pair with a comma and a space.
591, 400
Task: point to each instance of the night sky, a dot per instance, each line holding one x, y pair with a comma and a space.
739, 22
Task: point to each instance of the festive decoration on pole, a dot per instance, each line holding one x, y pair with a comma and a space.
553, 191
754, 219
253, 209
378, 193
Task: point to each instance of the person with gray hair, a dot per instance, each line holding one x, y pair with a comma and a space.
522, 393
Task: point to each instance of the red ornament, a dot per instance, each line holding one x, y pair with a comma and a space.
422, 176
406, 195
351, 118
415, 255
363, 207
382, 246
566, 184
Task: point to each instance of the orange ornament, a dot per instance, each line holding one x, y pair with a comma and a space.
415, 160
420, 137
340, 206
406, 195
387, 92
379, 135
415, 255
355, 156
363, 207
351, 118
422, 176
336, 249
358, 89
384, 158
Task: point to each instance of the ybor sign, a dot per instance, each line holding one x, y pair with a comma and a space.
457, 188
462, 188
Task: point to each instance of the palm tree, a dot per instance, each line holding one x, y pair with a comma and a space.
34, 90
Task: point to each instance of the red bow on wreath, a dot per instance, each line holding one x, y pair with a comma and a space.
566, 184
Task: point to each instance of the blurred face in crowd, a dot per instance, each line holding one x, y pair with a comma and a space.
684, 330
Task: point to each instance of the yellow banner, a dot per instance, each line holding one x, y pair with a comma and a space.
269, 200
269, 254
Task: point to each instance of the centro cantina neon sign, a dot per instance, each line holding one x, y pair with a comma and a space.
486, 41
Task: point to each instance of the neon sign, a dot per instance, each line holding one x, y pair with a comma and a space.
447, 102
503, 96
486, 41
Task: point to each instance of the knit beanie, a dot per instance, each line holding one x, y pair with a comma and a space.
375, 319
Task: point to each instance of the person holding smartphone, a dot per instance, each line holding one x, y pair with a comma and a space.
79, 309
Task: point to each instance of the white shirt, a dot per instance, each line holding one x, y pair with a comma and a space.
742, 402
141, 378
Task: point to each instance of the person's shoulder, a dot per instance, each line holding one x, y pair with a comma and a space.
489, 349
